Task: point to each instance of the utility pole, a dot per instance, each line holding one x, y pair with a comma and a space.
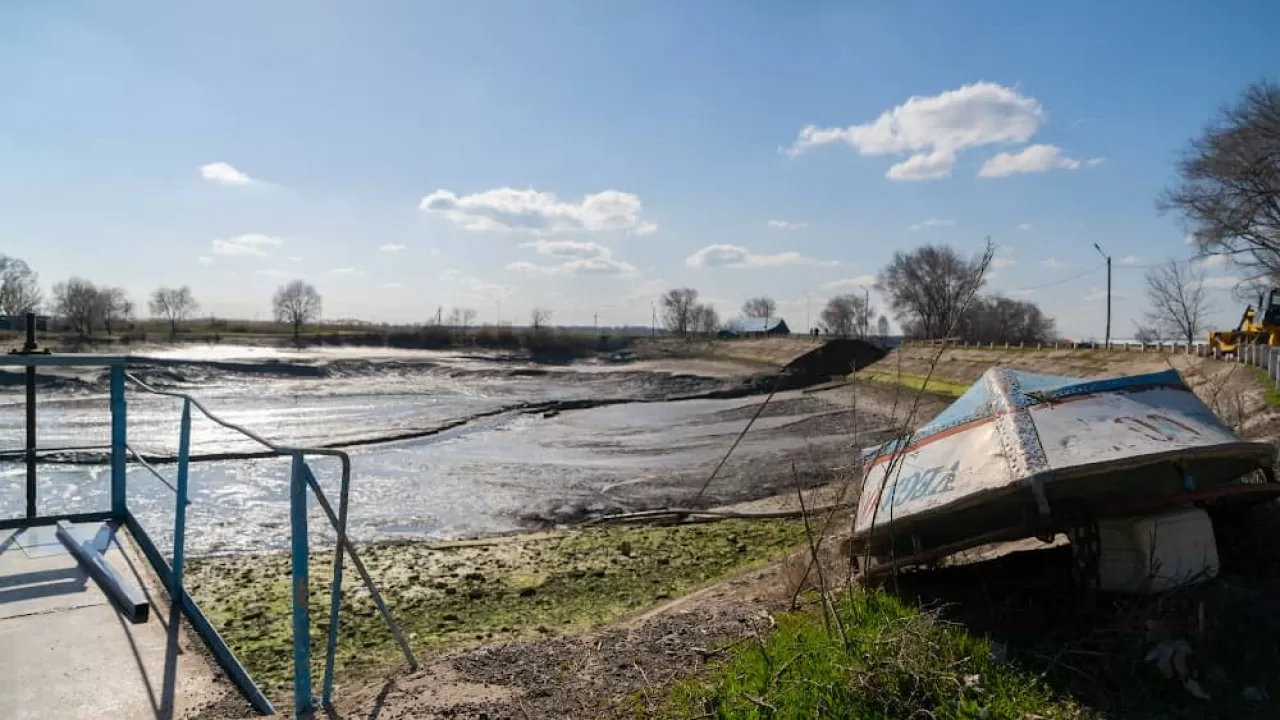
1107, 344
866, 312
595, 322
653, 320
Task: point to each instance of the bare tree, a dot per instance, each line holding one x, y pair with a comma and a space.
1176, 294
297, 303
77, 301
846, 315
174, 305
927, 287
1228, 190
468, 317
114, 307
19, 287
678, 307
998, 319
760, 307
539, 317
706, 321
882, 327
1147, 334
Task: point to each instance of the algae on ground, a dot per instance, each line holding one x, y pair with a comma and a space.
464, 594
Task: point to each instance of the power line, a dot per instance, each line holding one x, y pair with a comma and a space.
1060, 281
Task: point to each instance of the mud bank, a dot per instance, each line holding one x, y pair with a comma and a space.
464, 594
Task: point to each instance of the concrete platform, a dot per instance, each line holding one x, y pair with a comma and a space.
65, 651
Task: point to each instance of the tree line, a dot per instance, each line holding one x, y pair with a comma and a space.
85, 307
934, 291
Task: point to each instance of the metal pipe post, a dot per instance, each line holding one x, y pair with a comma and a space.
180, 507
335, 595
30, 347
302, 703
119, 443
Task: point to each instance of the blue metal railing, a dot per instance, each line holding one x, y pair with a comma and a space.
301, 478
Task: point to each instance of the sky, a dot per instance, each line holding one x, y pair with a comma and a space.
586, 156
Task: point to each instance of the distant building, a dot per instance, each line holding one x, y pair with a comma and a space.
755, 327
19, 322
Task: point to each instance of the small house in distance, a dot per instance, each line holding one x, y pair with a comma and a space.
755, 327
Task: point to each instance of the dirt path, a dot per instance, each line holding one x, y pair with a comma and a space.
621, 670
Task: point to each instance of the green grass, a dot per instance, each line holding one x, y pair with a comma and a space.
1272, 396
469, 593
935, 385
893, 661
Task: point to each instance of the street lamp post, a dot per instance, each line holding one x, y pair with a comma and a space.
1097, 247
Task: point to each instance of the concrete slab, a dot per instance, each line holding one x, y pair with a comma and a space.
30, 586
43, 541
67, 652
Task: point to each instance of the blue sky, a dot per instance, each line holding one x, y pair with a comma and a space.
584, 156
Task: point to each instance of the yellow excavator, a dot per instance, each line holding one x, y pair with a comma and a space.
1250, 331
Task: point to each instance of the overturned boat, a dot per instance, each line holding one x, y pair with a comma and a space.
1023, 455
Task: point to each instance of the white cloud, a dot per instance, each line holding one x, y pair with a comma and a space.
1221, 283
1094, 162
1130, 260
935, 128
1024, 227
392, 285
1032, 159
295, 258
540, 213
923, 166
1211, 261
1052, 263
251, 244
648, 289
224, 174
205, 260
1097, 294
932, 222
850, 283
271, 273
596, 266
788, 225
524, 266
347, 271
474, 287
736, 256
1002, 262
435, 251
568, 248
392, 247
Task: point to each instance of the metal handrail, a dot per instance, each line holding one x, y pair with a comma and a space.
302, 478
151, 468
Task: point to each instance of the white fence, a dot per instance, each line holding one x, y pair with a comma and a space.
1263, 357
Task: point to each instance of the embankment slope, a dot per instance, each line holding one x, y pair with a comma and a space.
1237, 393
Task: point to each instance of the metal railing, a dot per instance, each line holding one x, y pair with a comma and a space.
301, 478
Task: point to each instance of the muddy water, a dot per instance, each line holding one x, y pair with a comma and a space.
500, 467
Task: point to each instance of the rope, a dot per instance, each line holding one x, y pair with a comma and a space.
711, 515
776, 378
